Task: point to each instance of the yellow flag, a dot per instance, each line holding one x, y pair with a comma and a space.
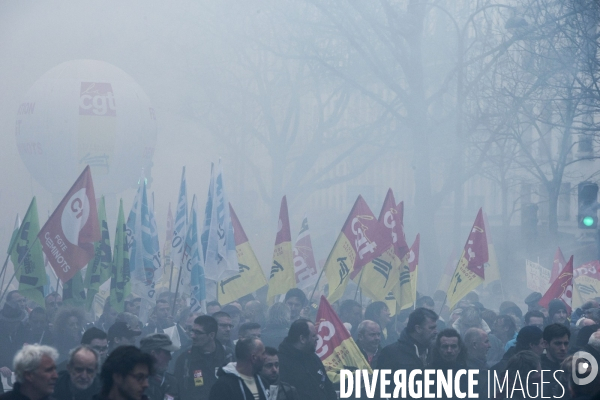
586, 283
251, 277
283, 277
469, 272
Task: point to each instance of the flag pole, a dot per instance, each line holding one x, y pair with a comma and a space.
316, 284
358, 285
176, 290
171, 276
17, 268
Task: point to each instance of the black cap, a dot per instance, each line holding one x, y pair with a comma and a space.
121, 329
157, 341
533, 298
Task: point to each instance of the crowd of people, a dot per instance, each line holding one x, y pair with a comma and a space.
245, 350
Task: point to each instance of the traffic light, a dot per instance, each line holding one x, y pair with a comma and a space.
587, 200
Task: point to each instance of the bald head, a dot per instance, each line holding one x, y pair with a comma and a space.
369, 335
477, 343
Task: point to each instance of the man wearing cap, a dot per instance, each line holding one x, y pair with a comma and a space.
119, 334
162, 385
12, 336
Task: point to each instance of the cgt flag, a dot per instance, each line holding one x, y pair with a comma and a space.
384, 273
358, 243
67, 237
335, 347
283, 277
469, 272
304, 259
561, 288
558, 265
413, 266
251, 276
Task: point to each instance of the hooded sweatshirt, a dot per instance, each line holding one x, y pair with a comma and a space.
231, 386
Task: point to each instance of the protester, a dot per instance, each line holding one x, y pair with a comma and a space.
557, 338
39, 327
132, 305
107, 318
53, 303
296, 300
161, 384
529, 338
195, 369
270, 375
80, 380
351, 312
119, 334
523, 371
277, 326
212, 307
68, 326
97, 339
478, 344
225, 326
241, 380
557, 313
410, 351
368, 340
449, 354
160, 318
379, 312
249, 330
35, 370
125, 374
12, 336
300, 366
254, 311
17, 300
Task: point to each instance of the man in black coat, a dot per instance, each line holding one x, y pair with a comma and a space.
80, 381
35, 368
301, 367
240, 380
410, 351
195, 369
161, 384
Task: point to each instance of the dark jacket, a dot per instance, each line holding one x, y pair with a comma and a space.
162, 387
373, 361
231, 386
406, 354
195, 371
305, 372
15, 394
63, 390
445, 366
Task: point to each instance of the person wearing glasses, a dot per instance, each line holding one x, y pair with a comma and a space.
195, 369
125, 374
224, 327
80, 380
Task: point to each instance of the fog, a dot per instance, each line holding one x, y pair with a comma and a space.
453, 105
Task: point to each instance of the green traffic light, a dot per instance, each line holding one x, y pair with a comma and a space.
588, 221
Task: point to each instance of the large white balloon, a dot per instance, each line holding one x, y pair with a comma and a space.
86, 112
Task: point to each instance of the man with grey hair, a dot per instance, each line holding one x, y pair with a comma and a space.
80, 381
368, 340
161, 385
477, 343
35, 369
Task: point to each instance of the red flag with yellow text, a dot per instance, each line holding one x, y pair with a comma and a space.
67, 237
335, 347
561, 288
469, 272
359, 242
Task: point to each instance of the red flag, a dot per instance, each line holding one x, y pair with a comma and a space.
335, 347
558, 265
67, 237
561, 288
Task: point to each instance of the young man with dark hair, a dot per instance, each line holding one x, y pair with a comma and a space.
212, 307
125, 374
270, 375
160, 318
534, 318
195, 369
39, 327
241, 380
97, 339
556, 337
296, 301
300, 366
